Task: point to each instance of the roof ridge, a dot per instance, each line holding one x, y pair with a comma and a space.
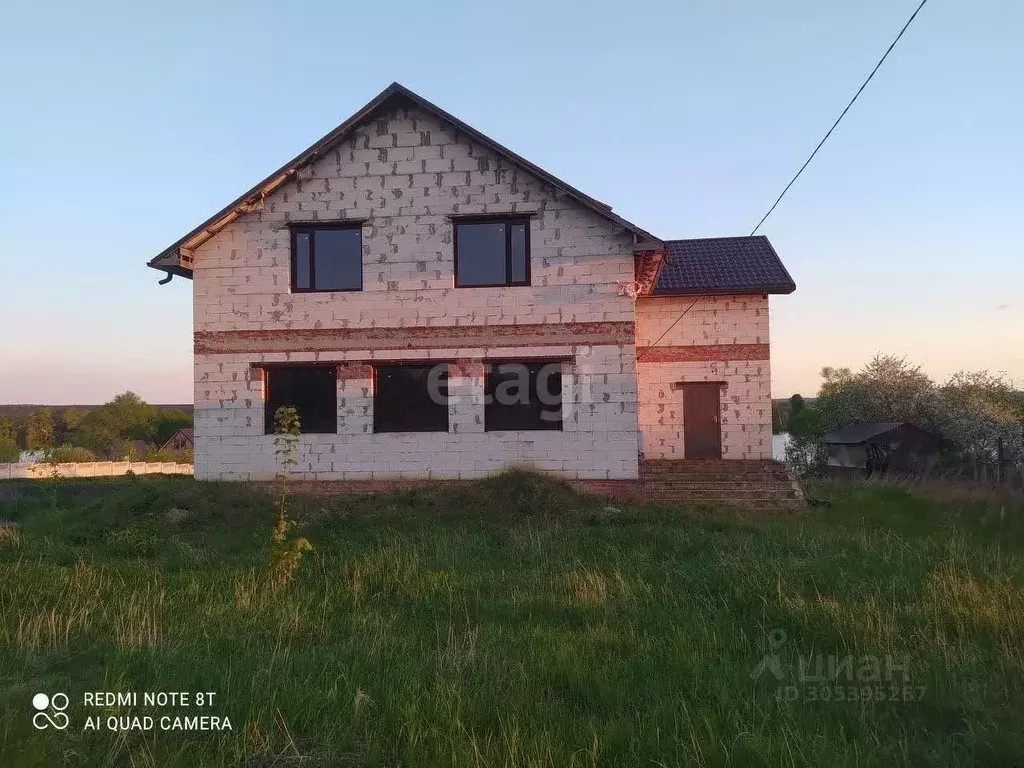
715, 237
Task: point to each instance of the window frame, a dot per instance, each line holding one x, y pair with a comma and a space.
310, 228
552, 426
268, 416
508, 220
377, 430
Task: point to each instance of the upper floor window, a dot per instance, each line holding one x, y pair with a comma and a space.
327, 257
492, 252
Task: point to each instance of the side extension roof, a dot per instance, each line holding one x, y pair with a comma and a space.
719, 265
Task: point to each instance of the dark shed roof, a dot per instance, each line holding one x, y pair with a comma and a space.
715, 265
859, 433
880, 432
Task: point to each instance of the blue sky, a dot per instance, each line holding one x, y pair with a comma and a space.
126, 125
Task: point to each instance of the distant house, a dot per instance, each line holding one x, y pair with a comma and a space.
180, 440
894, 446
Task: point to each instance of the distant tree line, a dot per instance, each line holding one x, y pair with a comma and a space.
112, 431
980, 414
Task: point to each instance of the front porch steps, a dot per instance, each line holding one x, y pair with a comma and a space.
752, 484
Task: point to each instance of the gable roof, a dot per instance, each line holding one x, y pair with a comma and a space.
715, 265
168, 260
187, 432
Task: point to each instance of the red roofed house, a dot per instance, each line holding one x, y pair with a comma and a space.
435, 305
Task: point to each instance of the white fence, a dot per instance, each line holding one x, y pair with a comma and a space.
38, 471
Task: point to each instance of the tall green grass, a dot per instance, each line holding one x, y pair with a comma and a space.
510, 622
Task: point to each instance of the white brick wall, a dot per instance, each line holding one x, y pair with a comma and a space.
241, 276
728, 319
746, 416
406, 173
598, 439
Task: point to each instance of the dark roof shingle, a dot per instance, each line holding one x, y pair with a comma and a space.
715, 265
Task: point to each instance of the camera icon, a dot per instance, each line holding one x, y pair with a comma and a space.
55, 718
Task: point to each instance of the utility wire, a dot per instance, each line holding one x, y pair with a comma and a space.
799, 172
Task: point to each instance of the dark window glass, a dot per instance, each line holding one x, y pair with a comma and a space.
522, 395
492, 252
410, 398
310, 390
327, 258
301, 259
518, 253
339, 259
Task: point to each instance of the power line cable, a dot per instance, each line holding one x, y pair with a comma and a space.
799, 172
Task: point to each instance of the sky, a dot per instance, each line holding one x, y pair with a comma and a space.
127, 124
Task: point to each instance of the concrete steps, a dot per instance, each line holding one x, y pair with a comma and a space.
732, 468
752, 484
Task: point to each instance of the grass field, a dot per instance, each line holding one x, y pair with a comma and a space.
513, 622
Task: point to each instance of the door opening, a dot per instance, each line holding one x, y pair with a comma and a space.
702, 428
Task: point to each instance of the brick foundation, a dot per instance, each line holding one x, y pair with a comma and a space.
759, 484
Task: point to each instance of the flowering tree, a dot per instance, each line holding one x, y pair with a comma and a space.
978, 413
983, 413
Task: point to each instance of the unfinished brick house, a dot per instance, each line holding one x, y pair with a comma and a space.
389, 280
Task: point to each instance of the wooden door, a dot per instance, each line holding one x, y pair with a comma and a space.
702, 430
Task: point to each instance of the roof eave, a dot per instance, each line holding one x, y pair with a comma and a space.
165, 262
789, 278
727, 290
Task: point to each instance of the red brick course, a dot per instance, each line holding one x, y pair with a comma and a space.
702, 352
469, 368
418, 337
349, 371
